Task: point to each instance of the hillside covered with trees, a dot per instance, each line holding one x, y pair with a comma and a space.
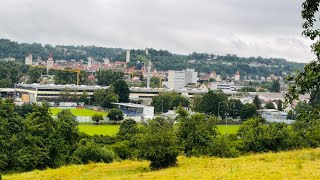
226, 65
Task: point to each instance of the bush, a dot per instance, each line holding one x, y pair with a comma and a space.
90, 152
159, 144
257, 137
224, 146
128, 129
122, 149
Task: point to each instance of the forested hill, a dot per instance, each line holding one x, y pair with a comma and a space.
162, 59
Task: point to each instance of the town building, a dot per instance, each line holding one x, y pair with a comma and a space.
28, 60
223, 86
179, 79
237, 76
50, 61
128, 56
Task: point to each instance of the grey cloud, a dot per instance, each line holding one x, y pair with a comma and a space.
246, 28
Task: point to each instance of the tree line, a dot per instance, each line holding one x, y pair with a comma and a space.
32, 139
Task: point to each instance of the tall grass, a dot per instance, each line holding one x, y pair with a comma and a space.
300, 164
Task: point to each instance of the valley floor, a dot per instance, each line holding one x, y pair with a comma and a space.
300, 164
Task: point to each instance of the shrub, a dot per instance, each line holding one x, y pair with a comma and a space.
128, 129
257, 137
224, 146
88, 151
122, 149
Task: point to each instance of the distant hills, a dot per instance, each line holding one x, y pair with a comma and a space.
226, 65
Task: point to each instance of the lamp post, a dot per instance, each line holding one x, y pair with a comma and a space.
219, 109
162, 104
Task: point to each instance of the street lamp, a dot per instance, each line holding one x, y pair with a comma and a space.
162, 104
219, 109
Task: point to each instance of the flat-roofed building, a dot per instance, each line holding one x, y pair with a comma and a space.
30, 93
179, 79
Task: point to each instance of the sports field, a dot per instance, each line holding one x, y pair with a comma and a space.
78, 112
112, 130
91, 130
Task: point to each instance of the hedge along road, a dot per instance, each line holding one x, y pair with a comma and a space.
112, 130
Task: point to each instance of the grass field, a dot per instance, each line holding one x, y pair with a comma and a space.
78, 112
112, 130
300, 164
229, 129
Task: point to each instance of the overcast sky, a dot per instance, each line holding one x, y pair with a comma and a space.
267, 28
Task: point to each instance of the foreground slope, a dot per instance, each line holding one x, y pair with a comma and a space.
300, 164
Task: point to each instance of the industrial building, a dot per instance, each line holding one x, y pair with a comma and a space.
179, 79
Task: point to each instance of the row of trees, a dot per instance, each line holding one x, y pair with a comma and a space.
217, 103
214, 103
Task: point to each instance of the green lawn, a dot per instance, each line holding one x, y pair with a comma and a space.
229, 129
78, 112
112, 130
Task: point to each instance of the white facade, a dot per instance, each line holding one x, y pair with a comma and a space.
50, 64
90, 62
128, 56
190, 76
176, 79
179, 79
106, 61
223, 86
28, 60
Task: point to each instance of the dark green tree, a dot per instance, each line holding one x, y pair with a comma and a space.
248, 111
270, 105
108, 77
97, 117
128, 129
196, 133
214, 102
235, 106
290, 115
257, 102
159, 144
35, 74
168, 101
279, 104
257, 137
275, 87
122, 90
115, 115
105, 98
